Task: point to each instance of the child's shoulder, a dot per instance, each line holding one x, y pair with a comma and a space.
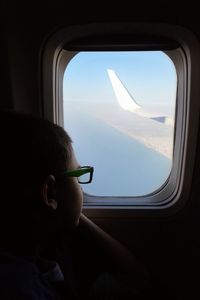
21, 279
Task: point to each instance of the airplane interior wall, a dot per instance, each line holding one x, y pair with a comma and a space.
170, 246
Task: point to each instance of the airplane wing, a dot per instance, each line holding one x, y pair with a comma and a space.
127, 102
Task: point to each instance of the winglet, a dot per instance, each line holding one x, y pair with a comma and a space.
124, 98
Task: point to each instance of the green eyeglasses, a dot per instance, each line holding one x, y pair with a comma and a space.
84, 174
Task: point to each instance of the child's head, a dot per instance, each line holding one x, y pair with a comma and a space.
34, 153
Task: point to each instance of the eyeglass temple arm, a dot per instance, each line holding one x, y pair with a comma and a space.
79, 172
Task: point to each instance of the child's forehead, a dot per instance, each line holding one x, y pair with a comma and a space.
73, 163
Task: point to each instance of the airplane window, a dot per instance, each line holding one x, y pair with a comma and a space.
119, 108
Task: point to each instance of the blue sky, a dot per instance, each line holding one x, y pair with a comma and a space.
150, 77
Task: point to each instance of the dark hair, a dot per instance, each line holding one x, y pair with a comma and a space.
31, 148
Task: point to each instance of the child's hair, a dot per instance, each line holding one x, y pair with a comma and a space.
31, 148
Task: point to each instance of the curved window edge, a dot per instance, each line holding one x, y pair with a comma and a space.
176, 191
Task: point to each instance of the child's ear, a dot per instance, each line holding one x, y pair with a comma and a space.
49, 192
